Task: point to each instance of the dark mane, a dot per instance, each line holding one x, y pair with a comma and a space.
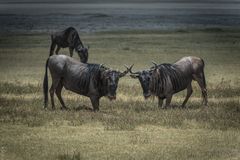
160, 81
92, 72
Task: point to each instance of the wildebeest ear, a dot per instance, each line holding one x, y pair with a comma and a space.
102, 67
121, 74
134, 76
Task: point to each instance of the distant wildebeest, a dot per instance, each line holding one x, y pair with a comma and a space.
164, 80
91, 80
69, 38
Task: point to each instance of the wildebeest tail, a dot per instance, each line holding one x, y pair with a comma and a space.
204, 80
203, 76
45, 85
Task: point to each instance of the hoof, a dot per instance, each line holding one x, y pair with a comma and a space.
183, 106
95, 110
163, 107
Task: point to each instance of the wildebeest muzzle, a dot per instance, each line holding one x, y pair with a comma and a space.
83, 54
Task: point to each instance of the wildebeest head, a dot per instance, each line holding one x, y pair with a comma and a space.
83, 54
145, 78
111, 77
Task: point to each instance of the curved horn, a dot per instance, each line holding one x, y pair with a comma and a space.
155, 64
130, 69
126, 71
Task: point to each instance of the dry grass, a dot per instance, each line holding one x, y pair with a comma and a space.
130, 127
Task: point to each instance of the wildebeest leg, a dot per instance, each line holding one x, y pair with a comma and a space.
160, 102
201, 82
189, 93
52, 90
57, 50
71, 51
95, 103
53, 45
58, 93
168, 101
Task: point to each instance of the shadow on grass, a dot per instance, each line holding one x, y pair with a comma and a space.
70, 157
83, 107
123, 115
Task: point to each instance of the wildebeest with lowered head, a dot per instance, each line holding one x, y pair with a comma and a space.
91, 80
69, 38
164, 80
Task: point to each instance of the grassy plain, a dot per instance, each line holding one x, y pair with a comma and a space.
130, 127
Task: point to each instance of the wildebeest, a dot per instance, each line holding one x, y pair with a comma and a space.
91, 80
164, 80
69, 38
